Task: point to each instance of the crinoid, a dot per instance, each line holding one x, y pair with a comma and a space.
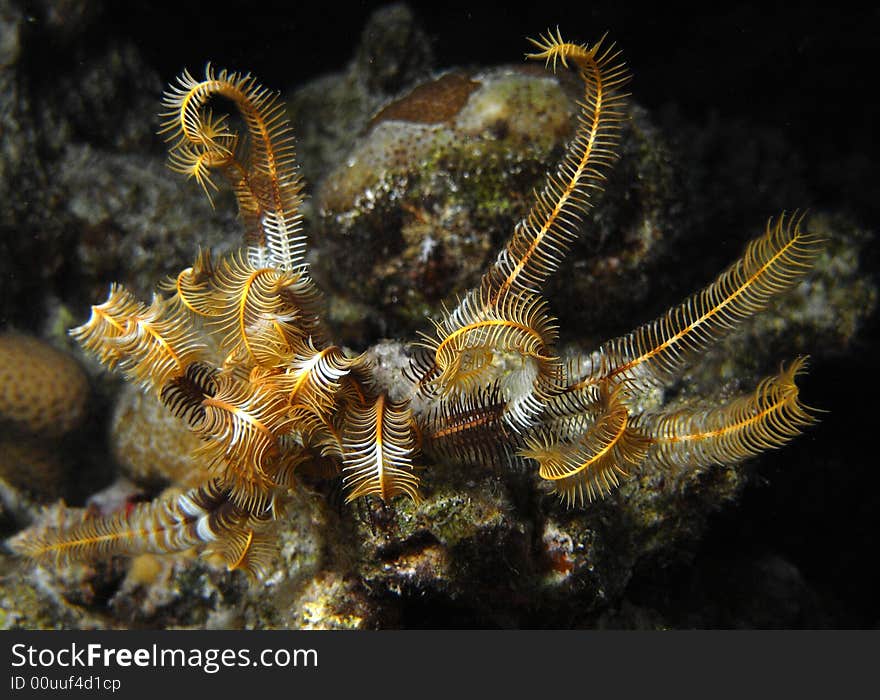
237, 349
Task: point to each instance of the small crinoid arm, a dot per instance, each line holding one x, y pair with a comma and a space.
170, 524
311, 377
150, 344
193, 287
379, 446
569, 412
321, 435
540, 240
264, 178
249, 544
657, 352
768, 418
184, 395
480, 343
107, 322
159, 346
583, 467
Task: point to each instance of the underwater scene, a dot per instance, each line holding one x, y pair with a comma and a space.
458, 317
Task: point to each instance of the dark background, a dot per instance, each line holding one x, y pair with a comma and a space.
808, 72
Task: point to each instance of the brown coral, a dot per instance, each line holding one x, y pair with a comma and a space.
43, 397
32, 465
42, 390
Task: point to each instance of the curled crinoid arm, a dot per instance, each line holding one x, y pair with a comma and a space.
264, 179
241, 425
658, 351
159, 346
379, 446
261, 314
311, 376
540, 240
249, 545
768, 418
321, 434
510, 343
582, 467
193, 287
184, 395
107, 322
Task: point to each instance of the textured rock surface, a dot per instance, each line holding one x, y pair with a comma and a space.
423, 201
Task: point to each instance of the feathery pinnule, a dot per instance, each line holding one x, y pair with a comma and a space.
258, 312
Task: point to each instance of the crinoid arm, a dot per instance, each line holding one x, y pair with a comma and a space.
743, 427
262, 314
184, 396
506, 315
541, 239
311, 377
468, 429
509, 344
379, 445
242, 425
656, 352
150, 344
266, 182
249, 544
174, 523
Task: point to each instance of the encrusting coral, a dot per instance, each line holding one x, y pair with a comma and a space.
237, 349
